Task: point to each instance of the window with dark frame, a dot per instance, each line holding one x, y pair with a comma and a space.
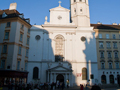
8, 24
6, 35
4, 49
35, 73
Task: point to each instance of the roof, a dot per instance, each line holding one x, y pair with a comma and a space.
11, 14
105, 26
7, 11
59, 8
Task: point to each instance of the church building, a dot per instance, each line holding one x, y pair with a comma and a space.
64, 49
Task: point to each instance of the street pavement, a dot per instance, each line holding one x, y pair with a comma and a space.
87, 88
78, 88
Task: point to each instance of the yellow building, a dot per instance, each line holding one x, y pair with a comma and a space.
108, 50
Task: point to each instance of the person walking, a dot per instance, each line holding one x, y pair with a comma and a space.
81, 87
63, 86
95, 87
1, 86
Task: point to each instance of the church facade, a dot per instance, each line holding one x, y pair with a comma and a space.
60, 50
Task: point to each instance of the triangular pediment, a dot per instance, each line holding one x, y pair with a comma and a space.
59, 8
60, 68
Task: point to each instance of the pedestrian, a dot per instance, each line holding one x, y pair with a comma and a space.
95, 87
9, 86
81, 87
63, 86
1, 86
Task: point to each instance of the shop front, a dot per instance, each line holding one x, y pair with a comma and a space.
13, 76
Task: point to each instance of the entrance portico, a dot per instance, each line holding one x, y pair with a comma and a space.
59, 74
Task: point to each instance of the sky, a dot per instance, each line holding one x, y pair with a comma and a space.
104, 11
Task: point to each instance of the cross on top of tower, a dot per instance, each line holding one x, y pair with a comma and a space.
59, 3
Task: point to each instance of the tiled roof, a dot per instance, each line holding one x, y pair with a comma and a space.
105, 26
7, 11
11, 14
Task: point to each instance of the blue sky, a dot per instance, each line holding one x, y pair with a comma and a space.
105, 11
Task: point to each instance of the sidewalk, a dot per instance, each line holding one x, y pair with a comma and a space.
75, 88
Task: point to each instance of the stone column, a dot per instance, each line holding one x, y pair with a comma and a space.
107, 79
65, 79
48, 77
69, 79
54, 77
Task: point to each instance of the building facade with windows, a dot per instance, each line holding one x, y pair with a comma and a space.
67, 49
108, 50
14, 45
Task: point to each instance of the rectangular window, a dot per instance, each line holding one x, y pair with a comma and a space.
108, 44
100, 35
20, 48
101, 44
28, 40
92, 76
6, 35
107, 36
114, 37
26, 66
117, 65
28, 30
27, 52
119, 36
110, 65
109, 54
21, 37
114, 44
8, 24
101, 54
116, 54
3, 64
102, 65
22, 26
18, 65
4, 49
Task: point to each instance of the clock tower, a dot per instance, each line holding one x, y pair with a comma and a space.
80, 13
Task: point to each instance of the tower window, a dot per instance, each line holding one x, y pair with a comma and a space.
74, 0
74, 10
81, 10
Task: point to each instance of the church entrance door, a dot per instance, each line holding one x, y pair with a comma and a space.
60, 78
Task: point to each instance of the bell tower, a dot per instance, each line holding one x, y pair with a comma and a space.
80, 13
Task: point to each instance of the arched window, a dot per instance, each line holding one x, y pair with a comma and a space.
35, 72
74, 0
103, 79
80, 0
111, 78
59, 48
84, 73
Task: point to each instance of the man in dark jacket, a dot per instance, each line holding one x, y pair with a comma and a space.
95, 87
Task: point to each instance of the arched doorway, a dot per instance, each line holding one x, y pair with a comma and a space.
60, 78
111, 77
103, 79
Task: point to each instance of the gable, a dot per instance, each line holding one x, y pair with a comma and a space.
59, 8
60, 68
